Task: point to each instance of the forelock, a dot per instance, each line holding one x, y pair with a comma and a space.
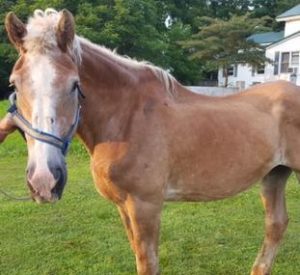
41, 34
41, 30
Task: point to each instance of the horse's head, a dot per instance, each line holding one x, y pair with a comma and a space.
46, 80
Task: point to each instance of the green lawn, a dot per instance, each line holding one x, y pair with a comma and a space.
82, 233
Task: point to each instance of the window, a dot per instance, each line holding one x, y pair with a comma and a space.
295, 59
276, 63
235, 70
231, 70
260, 69
285, 62
284, 66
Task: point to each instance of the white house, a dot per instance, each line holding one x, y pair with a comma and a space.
282, 48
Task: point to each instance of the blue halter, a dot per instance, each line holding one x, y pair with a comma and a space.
60, 143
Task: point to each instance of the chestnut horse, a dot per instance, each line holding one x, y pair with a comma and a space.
150, 139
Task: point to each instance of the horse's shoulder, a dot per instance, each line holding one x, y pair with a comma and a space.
104, 156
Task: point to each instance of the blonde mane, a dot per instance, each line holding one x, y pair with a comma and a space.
41, 29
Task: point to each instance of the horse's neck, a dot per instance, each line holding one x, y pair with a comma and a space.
114, 91
112, 95
100, 70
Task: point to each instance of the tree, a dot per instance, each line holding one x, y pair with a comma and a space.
137, 28
134, 28
186, 12
187, 71
222, 43
284, 5
226, 8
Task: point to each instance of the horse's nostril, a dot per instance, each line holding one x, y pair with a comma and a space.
58, 177
57, 174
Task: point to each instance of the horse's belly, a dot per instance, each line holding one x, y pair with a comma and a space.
180, 193
214, 185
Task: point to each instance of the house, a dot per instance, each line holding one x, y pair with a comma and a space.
282, 48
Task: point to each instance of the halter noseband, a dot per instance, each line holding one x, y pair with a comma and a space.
26, 126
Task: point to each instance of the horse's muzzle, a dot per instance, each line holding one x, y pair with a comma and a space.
47, 187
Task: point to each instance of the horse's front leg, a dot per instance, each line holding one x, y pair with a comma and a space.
7, 126
276, 220
142, 221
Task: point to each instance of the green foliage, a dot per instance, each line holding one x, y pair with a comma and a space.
222, 43
134, 28
225, 8
137, 27
187, 11
284, 5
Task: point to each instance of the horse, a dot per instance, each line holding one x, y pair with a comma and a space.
149, 138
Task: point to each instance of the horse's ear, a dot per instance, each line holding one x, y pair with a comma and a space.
16, 30
7, 126
65, 31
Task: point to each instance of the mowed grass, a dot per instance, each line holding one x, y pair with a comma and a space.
82, 233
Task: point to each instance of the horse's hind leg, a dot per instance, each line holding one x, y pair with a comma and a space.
276, 219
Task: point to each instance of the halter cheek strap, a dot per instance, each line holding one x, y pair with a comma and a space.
60, 143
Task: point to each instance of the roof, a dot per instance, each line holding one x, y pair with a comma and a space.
266, 37
295, 11
284, 39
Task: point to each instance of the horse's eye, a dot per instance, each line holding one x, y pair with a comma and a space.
13, 86
74, 87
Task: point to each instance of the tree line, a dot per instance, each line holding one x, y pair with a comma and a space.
164, 32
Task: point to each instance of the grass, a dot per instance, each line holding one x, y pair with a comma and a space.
82, 234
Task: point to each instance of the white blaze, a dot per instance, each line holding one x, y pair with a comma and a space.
43, 112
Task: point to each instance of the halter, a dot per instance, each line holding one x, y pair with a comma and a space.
60, 143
